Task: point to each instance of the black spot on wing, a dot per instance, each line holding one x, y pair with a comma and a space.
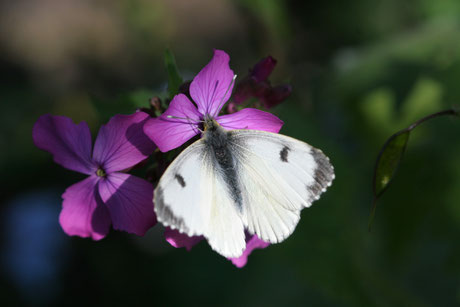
180, 179
324, 174
284, 154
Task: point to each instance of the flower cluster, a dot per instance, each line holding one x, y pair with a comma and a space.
110, 195
256, 85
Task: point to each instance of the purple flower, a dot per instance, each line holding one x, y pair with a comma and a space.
177, 239
262, 70
209, 90
252, 243
108, 195
256, 85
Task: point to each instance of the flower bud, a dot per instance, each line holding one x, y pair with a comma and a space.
263, 69
276, 95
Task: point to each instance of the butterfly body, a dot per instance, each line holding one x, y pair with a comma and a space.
220, 146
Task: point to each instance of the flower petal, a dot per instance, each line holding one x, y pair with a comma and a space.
122, 143
253, 243
251, 119
129, 200
169, 133
178, 240
83, 213
263, 69
248, 88
276, 95
70, 144
212, 87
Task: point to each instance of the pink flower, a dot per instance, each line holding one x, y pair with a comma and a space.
256, 85
108, 196
252, 243
210, 90
177, 239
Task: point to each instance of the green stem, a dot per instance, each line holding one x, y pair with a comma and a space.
420, 121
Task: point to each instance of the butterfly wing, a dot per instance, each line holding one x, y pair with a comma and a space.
193, 198
279, 176
276, 176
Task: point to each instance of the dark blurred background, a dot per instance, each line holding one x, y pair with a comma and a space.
360, 71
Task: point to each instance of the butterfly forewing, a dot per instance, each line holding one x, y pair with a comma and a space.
296, 165
192, 198
279, 176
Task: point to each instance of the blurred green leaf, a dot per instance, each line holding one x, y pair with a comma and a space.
378, 109
140, 98
273, 19
390, 157
425, 98
174, 78
432, 45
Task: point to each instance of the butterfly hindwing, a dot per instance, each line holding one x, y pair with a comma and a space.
192, 198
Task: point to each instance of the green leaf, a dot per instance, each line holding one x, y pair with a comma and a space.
390, 157
174, 78
389, 160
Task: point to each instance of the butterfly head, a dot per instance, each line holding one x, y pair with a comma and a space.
210, 124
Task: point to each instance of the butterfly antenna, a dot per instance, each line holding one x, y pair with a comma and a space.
226, 92
186, 118
190, 120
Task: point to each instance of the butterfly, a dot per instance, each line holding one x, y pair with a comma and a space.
231, 182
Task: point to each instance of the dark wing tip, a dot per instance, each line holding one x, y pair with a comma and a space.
165, 215
324, 175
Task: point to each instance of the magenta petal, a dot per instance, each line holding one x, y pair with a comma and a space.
243, 91
275, 95
253, 243
122, 143
263, 69
249, 87
83, 213
251, 119
70, 144
212, 87
129, 200
177, 239
169, 133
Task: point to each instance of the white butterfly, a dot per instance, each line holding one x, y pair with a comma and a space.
236, 180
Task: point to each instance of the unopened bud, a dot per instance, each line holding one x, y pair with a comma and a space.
263, 69
155, 103
276, 95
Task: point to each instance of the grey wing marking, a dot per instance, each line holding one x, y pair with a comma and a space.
324, 174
